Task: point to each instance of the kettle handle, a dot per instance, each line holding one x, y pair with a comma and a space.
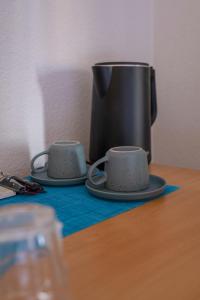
153, 97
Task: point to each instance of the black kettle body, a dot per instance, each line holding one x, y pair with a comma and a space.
124, 106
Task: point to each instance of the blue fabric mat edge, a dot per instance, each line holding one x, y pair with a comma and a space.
77, 209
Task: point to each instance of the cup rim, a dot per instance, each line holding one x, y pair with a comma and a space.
125, 149
67, 143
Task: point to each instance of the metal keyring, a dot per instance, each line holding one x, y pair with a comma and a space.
2, 175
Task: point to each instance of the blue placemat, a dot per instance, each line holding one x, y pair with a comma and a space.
76, 208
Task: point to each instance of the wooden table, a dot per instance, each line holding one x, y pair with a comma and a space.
151, 252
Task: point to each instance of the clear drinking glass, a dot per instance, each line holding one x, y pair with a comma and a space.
31, 265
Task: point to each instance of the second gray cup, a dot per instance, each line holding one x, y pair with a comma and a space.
126, 169
66, 159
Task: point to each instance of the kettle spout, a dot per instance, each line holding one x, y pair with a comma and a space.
102, 77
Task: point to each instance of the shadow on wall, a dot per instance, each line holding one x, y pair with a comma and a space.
15, 158
66, 101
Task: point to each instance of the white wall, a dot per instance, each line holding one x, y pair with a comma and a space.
177, 49
46, 51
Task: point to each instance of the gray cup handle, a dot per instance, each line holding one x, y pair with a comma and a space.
97, 181
39, 170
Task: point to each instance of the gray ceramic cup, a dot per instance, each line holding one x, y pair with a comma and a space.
126, 169
66, 159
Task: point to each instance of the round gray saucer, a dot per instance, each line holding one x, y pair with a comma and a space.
43, 179
156, 187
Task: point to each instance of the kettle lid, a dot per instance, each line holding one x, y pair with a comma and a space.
122, 64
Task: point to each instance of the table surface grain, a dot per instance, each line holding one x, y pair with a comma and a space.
151, 252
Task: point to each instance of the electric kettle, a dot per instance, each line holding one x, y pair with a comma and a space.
124, 106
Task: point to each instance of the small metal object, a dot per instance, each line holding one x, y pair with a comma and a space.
1, 175
20, 185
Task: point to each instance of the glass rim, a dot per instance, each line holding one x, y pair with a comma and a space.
19, 221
